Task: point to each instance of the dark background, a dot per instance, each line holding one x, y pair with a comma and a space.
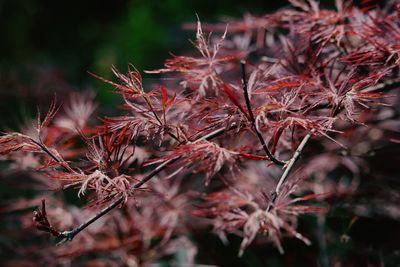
47, 47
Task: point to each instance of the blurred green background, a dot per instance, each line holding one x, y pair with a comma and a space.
48, 46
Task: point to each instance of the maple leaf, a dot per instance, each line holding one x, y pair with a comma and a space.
199, 74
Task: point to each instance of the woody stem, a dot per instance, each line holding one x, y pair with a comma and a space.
252, 119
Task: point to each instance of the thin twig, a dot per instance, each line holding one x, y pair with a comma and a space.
48, 152
69, 235
289, 167
253, 121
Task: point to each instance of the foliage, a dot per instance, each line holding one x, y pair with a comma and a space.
216, 145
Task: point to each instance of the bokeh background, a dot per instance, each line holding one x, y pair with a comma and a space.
48, 46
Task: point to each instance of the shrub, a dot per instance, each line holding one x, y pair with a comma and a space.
274, 116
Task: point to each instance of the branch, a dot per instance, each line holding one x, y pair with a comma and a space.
252, 119
289, 167
41, 221
48, 152
69, 235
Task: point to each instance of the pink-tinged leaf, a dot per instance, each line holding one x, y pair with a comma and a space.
49, 116
131, 82
109, 82
251, 228
235, 100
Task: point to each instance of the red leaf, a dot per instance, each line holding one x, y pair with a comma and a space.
123, 88
171, 101
235, 100
164, 96
251, 156
306, 197
279, 86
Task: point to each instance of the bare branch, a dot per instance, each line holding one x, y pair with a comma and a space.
289, 167
69, 235
48, 152
252, 119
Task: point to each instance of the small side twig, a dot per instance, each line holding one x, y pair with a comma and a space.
41, 221
289, 168
252, 119
48, 152
69, 235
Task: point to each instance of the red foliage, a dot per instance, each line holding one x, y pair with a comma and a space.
329, 76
